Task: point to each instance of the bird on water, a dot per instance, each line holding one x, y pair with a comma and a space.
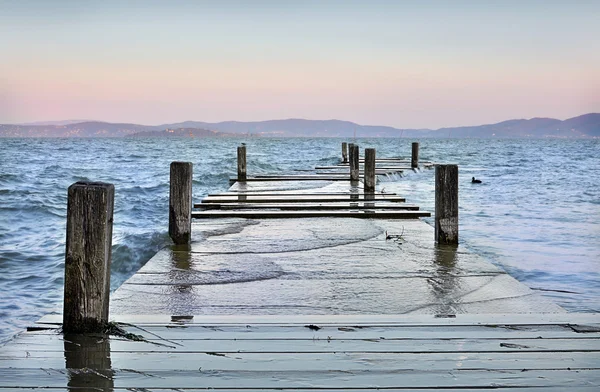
475, 181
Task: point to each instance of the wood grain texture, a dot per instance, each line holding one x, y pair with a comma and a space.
180, 203
241, 163
446, 204
88, 255
354, 168
298, 356
369, 172
414, 161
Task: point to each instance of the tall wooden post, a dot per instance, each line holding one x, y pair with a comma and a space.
90, 208
354, 168
369, 171
241, 163
180, 203
344, 152
414, 162
446, 204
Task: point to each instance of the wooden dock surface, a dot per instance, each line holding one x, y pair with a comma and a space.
314, 353
319, 299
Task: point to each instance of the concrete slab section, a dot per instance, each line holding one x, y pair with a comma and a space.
312, 266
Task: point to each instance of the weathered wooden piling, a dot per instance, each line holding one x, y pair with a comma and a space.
344, 152
241, 163
354, 169
446, 204
90, 209
369, 172
414, 161
180, 203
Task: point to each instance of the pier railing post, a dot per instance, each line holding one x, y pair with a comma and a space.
180, 203
241, 163
414, 162
446, 204
354, 168
344, 152
369, 171
90, 209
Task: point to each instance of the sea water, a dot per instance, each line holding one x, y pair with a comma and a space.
536, 213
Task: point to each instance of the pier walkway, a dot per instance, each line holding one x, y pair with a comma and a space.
343, 291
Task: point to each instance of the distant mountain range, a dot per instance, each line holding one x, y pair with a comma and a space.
585, 126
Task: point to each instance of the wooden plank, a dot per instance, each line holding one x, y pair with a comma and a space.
226, 327
345, 168
308, 380
294, 193
485, 389
298, 177
270, 214
361, 320
378, 171
338, 361
299, 199
291, 345
307, 206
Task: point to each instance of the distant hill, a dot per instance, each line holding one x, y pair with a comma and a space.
62, 122
82, 129
184, 132
585, 126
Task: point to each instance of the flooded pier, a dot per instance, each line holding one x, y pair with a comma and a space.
346, 289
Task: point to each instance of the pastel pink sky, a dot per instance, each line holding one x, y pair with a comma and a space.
404, 64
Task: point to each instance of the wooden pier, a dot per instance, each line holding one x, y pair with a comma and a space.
346, 290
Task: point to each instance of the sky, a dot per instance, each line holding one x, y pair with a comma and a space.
407, 64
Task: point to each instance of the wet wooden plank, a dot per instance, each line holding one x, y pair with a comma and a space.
515, 320
219, 328
296, 193
307, 206
293, 345
378, 166
378, 172
469, 389
299, 198
307, 380
338, 361
269, 214
283, 178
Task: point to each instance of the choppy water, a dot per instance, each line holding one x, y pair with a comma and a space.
536, 214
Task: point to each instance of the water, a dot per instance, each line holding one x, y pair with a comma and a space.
536, 213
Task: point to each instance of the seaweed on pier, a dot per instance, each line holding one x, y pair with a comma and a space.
396, 237
115, 329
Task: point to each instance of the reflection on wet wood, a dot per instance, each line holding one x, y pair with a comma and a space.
315, 353
87, 361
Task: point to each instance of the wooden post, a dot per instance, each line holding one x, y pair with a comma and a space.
241, 163
369, 172
344, 152
354, 168
414, 162
90, 208
180, 203
446, 204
